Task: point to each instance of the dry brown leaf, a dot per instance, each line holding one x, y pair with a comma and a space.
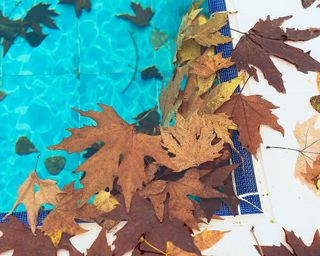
181, 207
190, 50
190, 140
308, 138
32, 200
312, 174
122, 154
209, 64
168, 100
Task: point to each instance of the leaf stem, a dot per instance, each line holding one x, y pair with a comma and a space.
37, 161
238, 31
136, 65
143, 240
255, 238
293, 149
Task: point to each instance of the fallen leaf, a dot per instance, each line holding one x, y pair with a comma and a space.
312, 174
105, 202
158, 38
33, 200
307, 3
148, 121
207, 238
268, 39
173, 250
298, 246
2, 95
249, 113
94, 148
24, 146
168, 100
190, 140
209, 64
151, 72
55, 164
308, 138
18, 237
189, 50
123, 152
208, 34
79, 5
180, 206
142, 221
141, 17
100, 246
28, 28
315, 102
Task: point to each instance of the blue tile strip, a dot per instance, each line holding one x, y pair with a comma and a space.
245, 179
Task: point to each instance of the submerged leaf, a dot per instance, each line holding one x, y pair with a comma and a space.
158, 38
151, 72
55, 164
148, 121
2, 95
141, 17
79, 5
24, 146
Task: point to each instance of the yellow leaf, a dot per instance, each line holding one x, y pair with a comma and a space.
190, 50
318, 81
207, 238
105, 202
173, 250
221, 93
55, 238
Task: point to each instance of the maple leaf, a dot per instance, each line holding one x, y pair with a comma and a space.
143, 221
158, 38
79, 5
29, 28
168, 100
142, 16
309, 141
267, 39
298, 246
122, 155
209, 64
220, 179
181, 207
148, 121
62, 218
18, 237
151, 72
249, 113
190, 140
207, 34
100, 246
33, 200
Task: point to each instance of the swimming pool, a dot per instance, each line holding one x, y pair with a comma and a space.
87, 61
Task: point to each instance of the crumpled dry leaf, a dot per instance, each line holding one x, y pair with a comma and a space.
33, 200
181, 207
122, 155
308, 138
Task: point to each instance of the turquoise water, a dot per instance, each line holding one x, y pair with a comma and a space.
43, 83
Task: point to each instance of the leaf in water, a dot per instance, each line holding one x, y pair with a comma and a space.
151, 72
249, 113
2, 95
79, 5
268, 39
307, 3
55, 164
105, 202
315, 102
158, 38
30, 28
142, 16
148, 121
94, 148
32, 200
24, 146
100, 246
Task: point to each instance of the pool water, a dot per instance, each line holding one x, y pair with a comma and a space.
87, 61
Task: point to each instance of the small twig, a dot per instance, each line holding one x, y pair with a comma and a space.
238, 31
136, 65
15, 7
255, 238
37, 161
143, 240
244, 85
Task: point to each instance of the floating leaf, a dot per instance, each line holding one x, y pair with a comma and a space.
148, 121
158, 38
24, 146
55, 164
79, 5
2, 95
142, 16
268, 39
151, 72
